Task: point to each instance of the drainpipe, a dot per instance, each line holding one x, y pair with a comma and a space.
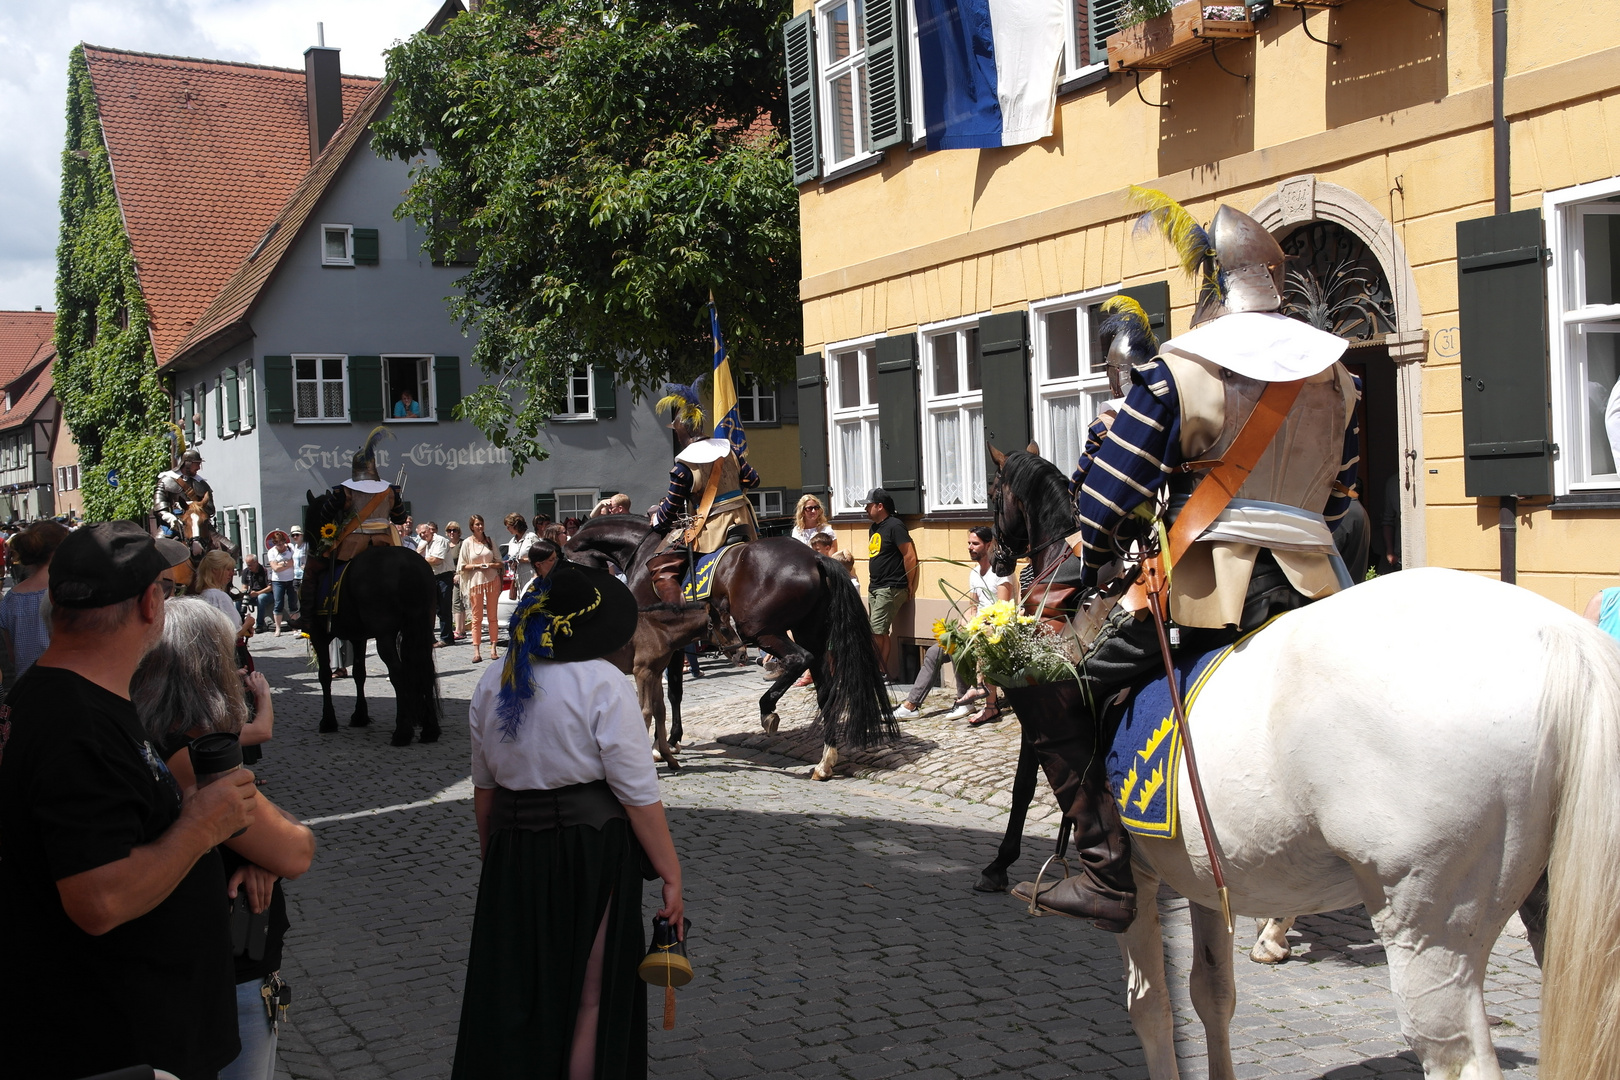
1507, 524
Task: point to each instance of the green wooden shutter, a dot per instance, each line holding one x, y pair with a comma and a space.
804, 122
233, 400
219, 405
1501, 315
365, 388
365, 247
1004, 374
897, 421
446, 386
278, 389
187, 411
606, 394
812, 403
545, 503
1102, 19
886, 47
1155, 300
250, 395
787, 403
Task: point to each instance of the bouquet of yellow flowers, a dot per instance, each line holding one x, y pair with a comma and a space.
1005, 647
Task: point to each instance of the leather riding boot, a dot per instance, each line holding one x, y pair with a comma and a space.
1061, 728
667, 568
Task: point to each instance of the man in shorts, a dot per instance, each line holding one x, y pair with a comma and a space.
891, 571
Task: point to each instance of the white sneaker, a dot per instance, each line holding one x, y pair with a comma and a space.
956, 713
906, 712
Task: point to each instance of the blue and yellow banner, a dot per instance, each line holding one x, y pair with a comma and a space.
728, 426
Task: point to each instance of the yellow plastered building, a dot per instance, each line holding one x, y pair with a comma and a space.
1359, 132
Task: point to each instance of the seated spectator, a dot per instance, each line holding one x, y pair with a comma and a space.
187, 687
982, 586
258, 591
407, 407
116, 951
26, 635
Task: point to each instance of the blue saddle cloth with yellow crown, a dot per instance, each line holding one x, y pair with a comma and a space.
1144, 758
699, 579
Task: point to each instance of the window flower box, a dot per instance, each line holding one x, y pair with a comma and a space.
1176, 37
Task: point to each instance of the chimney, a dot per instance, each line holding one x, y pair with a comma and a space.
323, 88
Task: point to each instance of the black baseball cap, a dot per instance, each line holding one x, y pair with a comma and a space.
105, 564
878, 495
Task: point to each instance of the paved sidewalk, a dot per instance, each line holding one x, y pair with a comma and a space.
836, 933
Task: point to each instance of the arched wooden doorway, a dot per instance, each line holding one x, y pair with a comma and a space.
1334, 283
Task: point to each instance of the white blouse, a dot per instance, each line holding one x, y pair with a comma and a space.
804, 536
582, 724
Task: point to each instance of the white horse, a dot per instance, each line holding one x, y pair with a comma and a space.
1473, 743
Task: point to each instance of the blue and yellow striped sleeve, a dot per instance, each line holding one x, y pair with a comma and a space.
1094, 437
1131, 463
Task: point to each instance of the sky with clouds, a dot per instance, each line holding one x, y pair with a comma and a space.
37, 35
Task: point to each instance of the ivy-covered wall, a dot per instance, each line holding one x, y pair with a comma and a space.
106, 372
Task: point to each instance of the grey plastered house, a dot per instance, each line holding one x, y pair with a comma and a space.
290, 310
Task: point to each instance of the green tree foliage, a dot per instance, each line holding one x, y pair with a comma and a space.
611, 162
105, 370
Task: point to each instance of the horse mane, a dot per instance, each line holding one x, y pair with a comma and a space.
1044, 491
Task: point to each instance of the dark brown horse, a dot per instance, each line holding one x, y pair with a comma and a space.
766, 589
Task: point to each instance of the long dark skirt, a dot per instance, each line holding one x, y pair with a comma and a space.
540, 901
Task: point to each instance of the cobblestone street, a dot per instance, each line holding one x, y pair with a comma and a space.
835, 931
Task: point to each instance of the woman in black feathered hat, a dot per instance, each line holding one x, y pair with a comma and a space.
568, 807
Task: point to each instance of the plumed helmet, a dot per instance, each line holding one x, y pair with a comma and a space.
363, 475
1250, 263
192, 456
1128, 339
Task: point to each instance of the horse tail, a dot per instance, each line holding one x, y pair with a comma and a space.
855, 692
1580, 998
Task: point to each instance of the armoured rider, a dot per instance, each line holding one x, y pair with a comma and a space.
362, 512
707, 481
177, 489
1269, 549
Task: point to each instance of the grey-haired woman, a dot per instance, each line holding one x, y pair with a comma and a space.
189, 686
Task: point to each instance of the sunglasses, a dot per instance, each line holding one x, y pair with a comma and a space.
168, 587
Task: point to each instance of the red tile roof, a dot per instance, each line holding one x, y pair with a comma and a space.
22, 335
204, 155
25, 406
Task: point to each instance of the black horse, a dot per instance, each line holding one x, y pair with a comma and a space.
765, 589
1033, 513
387, 594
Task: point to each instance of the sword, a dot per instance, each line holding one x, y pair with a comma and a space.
1211, 843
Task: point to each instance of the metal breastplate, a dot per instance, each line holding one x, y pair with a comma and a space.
1300, 465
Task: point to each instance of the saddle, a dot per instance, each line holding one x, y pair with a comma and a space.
680, 575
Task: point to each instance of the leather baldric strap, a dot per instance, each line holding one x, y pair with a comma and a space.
364, 515
709, 490
1226, 476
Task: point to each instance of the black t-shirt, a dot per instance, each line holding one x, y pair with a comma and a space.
254, 580
80, 787
887, 569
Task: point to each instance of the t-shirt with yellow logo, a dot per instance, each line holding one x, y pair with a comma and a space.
887, 570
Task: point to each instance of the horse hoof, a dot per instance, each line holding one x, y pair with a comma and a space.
771, 723
992, 882
429, 733
817, 774
1268, 952
359, 721
672, 762
328, 726
401, 738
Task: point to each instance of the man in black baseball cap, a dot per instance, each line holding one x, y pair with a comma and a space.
891, 570
108, 877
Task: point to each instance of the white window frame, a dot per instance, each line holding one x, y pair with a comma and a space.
963, 403
1091, 386
343, 379
1569, 321
752, 391
199, 412
251, 544
917, 123
865, 414
827, 72
246, 391
348, 245
591, 497
590, 396
425, 364
762, 502
1072, 47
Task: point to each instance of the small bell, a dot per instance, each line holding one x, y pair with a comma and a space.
666, 965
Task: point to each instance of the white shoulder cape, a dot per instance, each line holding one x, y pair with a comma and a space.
1261, 345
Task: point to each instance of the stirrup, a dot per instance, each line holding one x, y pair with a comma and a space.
1061, 854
